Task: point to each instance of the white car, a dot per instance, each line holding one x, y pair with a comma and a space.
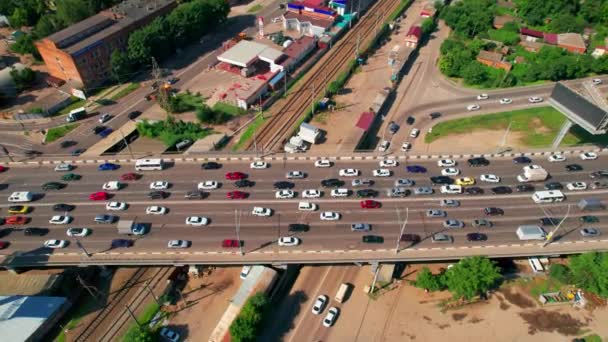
277, 19
113, 185
307, 206
348, 172
169, 334
384, 145
576, 186
473, 107
329, 216
208, 185
323, 163
104, 118
116, 206
535, 99
311, 193
554, 158
60, 219
389, 163
319, 304
446, 163
414, 133
483, 97
451, 189
258, 165
406, 147
260, 211
159, 185
288, 241
505, 101
450, 171
55, 243
381, 173
64, 167
295, 175
284, 194
156, 210
330, 318
490, 178
197, 221
596, 81
78, 232
178, 244
588, 156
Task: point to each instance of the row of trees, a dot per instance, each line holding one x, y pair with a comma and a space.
588, 271
468, 278
164, 35
246, 326
536, 12
171, 131
23, 78
469, 17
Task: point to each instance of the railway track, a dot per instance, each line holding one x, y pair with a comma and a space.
286, 113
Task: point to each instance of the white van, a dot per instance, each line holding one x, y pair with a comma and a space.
339, 192
21, 196
245, 271
341, 292
549, 196
307, 206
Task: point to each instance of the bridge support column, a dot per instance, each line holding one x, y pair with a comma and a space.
562, 133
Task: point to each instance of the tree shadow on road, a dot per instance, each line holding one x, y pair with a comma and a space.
282, 319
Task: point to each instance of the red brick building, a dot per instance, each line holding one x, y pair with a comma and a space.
80, 54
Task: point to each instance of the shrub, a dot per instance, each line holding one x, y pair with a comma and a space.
560, 273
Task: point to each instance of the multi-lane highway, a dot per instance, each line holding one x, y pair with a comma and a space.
260, 233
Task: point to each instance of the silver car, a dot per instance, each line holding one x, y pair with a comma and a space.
441, 238
590, 232
397, 192
449, 203
360, 227
435, 213
404, 182
362, 182
453, 224
423, 190
482, 223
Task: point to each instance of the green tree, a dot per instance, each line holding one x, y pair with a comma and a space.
72, 11
18, 18
25, 45
120, 66
561, 273
472, 276
590, 272
141, 334
591, 10
474, 73
427, 280
567, 22
247, 324
23, 78
205, 114
469, 17
333, 88
47, 25
428, 26
535, 12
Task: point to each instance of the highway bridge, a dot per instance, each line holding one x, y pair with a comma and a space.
325, 242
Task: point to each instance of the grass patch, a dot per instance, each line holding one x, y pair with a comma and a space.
255, 8
229, 109
545, 286
55, 133
540, 125
592, 338
76, 103
125, 91
143, 319
248, 133
171, 131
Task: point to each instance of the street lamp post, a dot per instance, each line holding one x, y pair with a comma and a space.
237, 219
552, 233
407, 215
79, 244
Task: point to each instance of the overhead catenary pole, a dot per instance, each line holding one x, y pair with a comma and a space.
126, 143
147, 285
132, 315
407, 216
552, 233
237, 219
79, 244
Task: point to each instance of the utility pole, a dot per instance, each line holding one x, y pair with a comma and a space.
79, 244
158, 80
552, 233
126, 143
132, 315
312, 99
147, 284
407, 216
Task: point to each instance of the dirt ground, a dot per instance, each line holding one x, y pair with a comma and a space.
408, 313
207, 297
470, 142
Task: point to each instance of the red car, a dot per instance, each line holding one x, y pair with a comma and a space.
99, 196
236, 195
16, 220
2, 168
3, 244
370, 204
130, 176
232, 243
235, 176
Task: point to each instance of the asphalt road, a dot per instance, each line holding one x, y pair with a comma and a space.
261, 233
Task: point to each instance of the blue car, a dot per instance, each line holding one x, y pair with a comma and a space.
105, 132
108, 167
416, 169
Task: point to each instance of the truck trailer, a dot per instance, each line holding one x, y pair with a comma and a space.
309, 133
531, 232
533, 173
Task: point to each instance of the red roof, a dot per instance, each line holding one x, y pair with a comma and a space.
532, 33
550, 38
415, 31
365, 120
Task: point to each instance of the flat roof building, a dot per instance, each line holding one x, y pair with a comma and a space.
29, 318
80, 54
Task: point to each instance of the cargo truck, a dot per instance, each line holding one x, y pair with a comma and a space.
130, 227
76, 114
533, 173
590, 204
531, 232
309, 133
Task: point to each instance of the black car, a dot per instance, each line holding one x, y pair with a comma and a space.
410, 120
52, 186
284, 185
440, 180
211, 166
31, 152
298, 227
501, 190
525, 188
63, 207
476, 237
372, 239
393, 127
158, 194
332, 182
6, 231
553, 186
244, 183
35, 231
478, 161
474, 190
78, 151
434, 115
573, 168
413, 238
367, 193
67, 143
2, 221
549, 221
493, 211
117, 243
134, 114
98, 129
522, 160
599, 174
194, 195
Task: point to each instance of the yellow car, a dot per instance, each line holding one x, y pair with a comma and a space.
18, 209
465, 181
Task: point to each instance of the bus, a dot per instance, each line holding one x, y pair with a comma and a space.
76, 114
149, 164
548, 196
